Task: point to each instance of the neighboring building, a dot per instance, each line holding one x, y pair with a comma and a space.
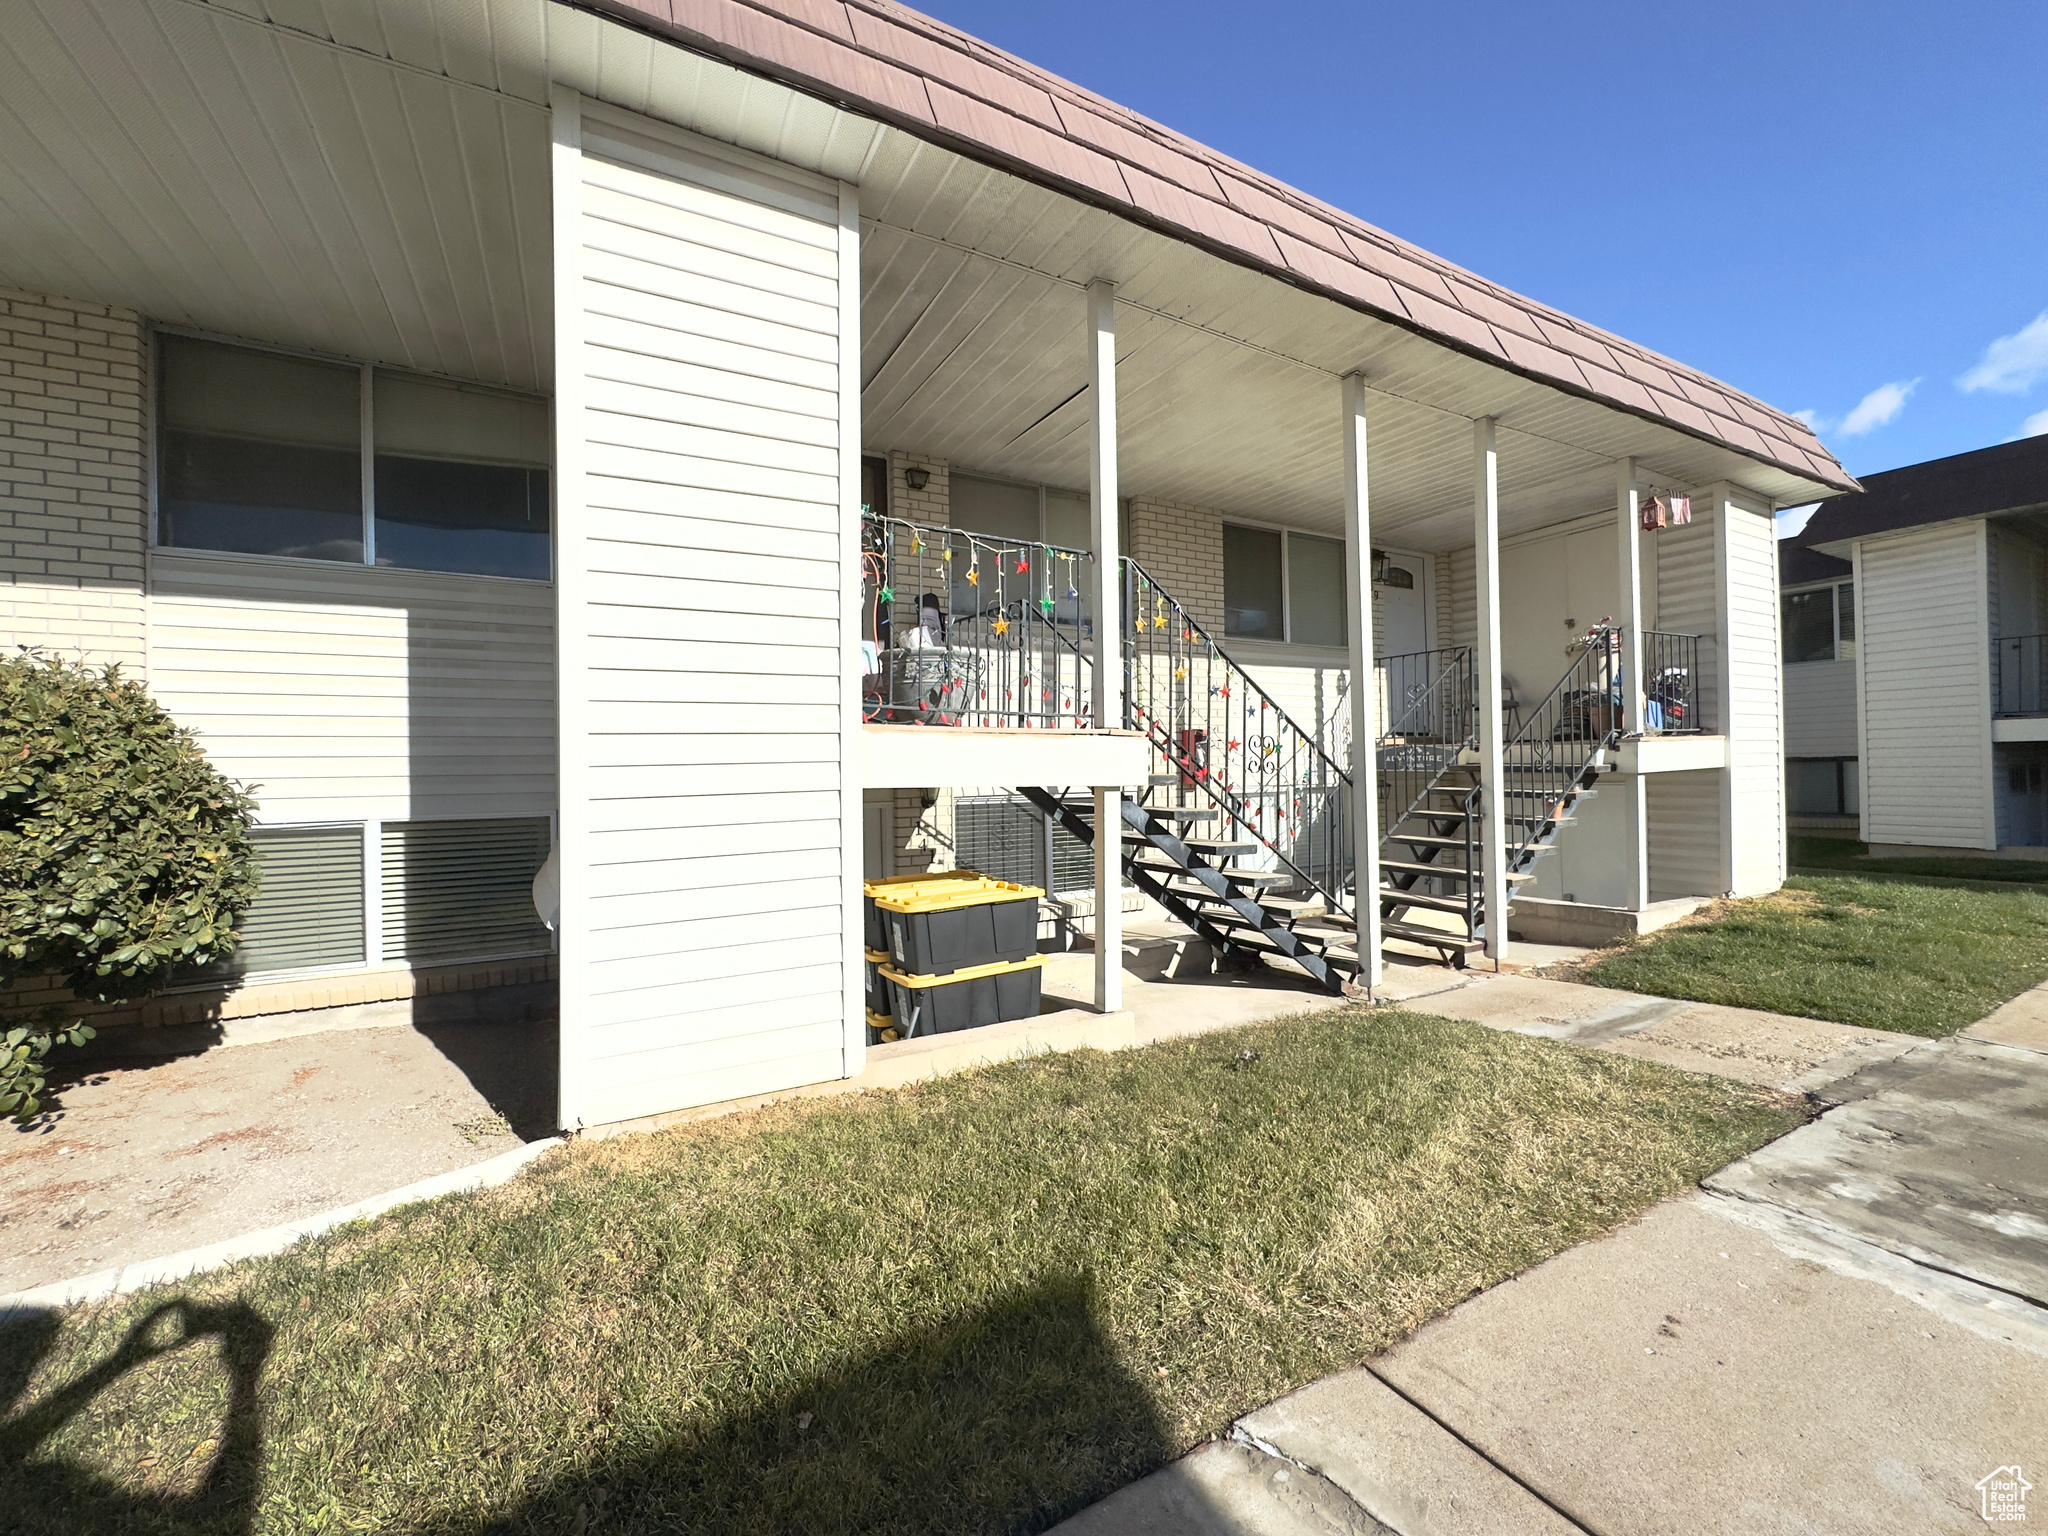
1937, 663
462, 418
1817, 597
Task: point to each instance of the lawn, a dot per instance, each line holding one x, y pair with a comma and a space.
977, 1305
1832, 855
1920, 956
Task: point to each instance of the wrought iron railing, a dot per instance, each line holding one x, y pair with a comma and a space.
2016, 675
1430, 714
1561, 739
1227, 741
963, 629
1671, 692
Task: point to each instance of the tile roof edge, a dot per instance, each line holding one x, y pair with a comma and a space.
665, 19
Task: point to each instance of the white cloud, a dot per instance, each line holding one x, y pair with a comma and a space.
2035, 425
1792, 520
2012, 364
1811, 418
1877, 408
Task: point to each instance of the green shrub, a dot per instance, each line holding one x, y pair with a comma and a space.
123, 852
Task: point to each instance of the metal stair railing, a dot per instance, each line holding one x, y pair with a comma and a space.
1225, 738
1432, 710
1547, 762
1001, 644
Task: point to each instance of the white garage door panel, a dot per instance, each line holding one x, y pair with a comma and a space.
705, 917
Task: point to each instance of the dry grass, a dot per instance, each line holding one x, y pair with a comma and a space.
975, 1305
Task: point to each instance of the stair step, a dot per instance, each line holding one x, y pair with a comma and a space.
1419, 935
1419, 899
1163, 780
1208, 848
1250, 878
1297, 908
1178, 813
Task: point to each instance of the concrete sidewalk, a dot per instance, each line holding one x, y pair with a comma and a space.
1842, 1333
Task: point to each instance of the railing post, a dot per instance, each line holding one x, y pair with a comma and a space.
1365, 778
1492, 758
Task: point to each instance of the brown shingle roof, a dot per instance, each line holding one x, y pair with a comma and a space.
891, 62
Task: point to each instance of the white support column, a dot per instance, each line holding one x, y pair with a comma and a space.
1109, 898
1486, 570
1365, 777
1106, 647
1629, 527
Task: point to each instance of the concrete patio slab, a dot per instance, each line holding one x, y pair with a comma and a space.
1226, 1488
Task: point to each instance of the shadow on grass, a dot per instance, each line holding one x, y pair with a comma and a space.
71, 1497
1009, 1418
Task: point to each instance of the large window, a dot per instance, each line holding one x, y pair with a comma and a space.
1819, 624
262, 453
437, 891
1282, 585
1008, 512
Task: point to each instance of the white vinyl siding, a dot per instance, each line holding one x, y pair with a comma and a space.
704, 762
1924, 648
1686, 601
1820, 709
1684, 812
1752, 678
345, 693
461, 890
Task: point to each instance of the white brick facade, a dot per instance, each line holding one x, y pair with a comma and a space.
73, 441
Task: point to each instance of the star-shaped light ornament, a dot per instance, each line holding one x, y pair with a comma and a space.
974, 576
1001, 626
888, 594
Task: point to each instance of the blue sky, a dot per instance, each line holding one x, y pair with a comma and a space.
1840, 208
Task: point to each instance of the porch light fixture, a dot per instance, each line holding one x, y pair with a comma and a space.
917, 479
1379, 567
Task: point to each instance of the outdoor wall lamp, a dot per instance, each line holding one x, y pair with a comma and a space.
917, 479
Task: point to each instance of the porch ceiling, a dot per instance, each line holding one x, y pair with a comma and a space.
370, 179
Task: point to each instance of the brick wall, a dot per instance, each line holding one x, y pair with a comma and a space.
1182, 546
931, 505
72, 509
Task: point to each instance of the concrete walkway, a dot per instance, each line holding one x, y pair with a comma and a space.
1842, 1333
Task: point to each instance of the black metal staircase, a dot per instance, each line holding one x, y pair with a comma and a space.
1272, 880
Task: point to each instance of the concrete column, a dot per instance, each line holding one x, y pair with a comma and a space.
1365, 779
1486, 572
1629, 547
1106, 648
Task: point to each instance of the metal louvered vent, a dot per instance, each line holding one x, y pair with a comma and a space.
308, 912
1000, 836
462, 890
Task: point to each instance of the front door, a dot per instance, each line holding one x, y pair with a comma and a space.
1404, 614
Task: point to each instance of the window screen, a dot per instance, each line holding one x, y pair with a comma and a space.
1000, 836
1809, 630
308, 911
1845, 621
1073, 861
258, 454
462, 478
462, 890
1252, 584
1315, 590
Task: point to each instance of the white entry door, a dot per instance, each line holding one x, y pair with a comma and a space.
1404, 609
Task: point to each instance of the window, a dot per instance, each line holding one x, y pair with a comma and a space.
446, 891
1005, 511
462, 478
1283, 586
1819, 624
1821, 786
456, 890
308, 911
262, 453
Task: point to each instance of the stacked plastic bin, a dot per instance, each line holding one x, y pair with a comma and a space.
950, 951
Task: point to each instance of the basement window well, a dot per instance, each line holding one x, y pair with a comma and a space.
263, 452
